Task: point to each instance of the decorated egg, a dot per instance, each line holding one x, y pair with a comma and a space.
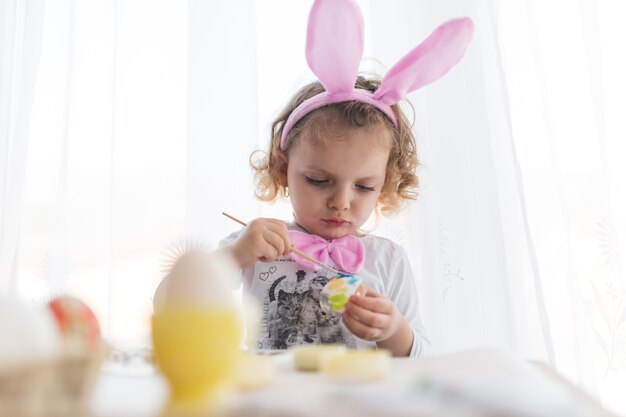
76, 323
336, 293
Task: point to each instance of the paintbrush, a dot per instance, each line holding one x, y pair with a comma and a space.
294, 250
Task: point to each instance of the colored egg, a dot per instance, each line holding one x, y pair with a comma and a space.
337, 292
76, 322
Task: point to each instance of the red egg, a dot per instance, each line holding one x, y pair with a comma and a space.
76, 321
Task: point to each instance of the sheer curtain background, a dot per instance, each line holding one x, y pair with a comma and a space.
127, 125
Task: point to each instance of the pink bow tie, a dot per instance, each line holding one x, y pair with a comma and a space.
346, 252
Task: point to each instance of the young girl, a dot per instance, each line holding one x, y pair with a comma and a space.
341, 150
337, 165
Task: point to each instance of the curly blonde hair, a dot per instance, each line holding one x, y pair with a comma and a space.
401, 182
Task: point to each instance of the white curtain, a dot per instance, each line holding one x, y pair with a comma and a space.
135, 129
142, 118
469, 231
516, 233
20, 41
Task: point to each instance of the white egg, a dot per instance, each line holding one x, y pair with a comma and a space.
27, 333
203, 278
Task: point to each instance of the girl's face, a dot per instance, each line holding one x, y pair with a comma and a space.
334, 184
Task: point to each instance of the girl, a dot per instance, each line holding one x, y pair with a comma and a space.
339, 164
340, 150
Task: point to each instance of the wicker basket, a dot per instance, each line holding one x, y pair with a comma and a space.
59, 387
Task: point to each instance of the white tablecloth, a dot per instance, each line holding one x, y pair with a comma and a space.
473, 383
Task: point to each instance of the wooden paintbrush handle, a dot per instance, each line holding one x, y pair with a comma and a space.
312, 259
293, 249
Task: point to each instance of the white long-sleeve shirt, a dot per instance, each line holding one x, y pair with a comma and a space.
289, 296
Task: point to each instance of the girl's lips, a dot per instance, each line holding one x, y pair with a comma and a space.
335, 222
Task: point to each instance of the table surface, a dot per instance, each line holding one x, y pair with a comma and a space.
474, 383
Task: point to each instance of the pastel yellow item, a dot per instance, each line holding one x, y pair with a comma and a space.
357, 365
309, 357
253, 371
196, 349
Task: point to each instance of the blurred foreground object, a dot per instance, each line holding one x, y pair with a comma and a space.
196, 331
357, 365
41, 374
309, 357
472, 383
254, 371
77, 324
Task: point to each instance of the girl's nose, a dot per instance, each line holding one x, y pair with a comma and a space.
340, 200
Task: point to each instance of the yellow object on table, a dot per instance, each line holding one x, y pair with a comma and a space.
196, 348
309, 357
357, 365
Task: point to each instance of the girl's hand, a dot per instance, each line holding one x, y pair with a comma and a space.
262, 239
370, 316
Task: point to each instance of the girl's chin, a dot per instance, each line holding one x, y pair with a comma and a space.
331, 232
326, 231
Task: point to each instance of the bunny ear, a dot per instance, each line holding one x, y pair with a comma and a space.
427, 62
334, 44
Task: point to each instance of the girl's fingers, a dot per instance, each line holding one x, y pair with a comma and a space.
275, 245
359, 329
371, 292
268, 238
368, 317
279, 228
373, 301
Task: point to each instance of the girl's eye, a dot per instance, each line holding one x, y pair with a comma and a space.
316, 181
362, 187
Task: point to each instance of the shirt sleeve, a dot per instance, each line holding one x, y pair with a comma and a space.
230, 238
245, 273
402, 290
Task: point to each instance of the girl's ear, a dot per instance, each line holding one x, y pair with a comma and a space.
282, 178
282, 164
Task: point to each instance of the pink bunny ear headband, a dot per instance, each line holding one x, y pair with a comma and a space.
334, 48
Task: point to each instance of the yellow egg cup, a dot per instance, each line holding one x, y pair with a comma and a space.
196, 349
